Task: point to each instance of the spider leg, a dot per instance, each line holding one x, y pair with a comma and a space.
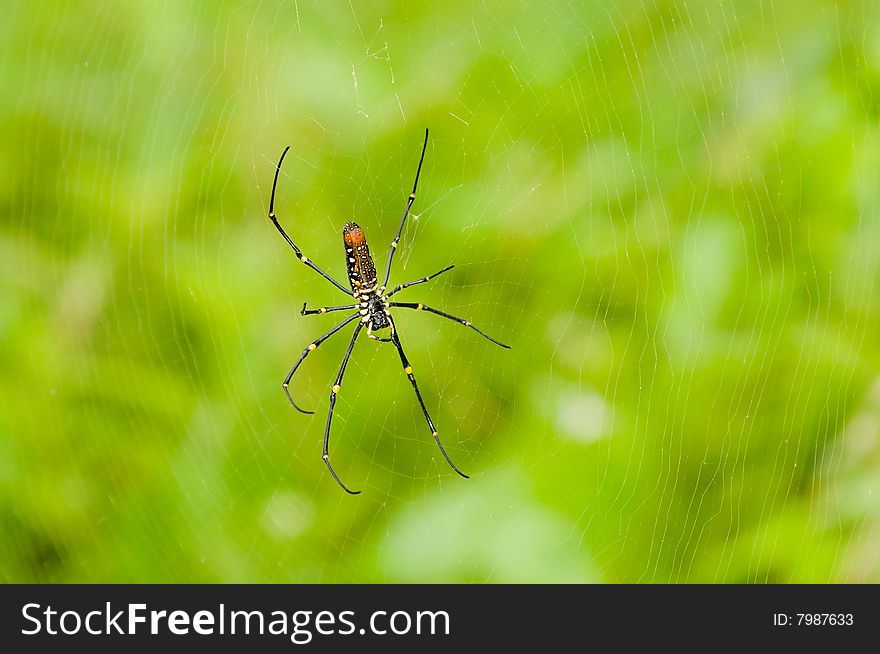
467, 323
312, 312
333, 392
312, 346
400, 287
409, 203
296, 250
407, 368
372, 336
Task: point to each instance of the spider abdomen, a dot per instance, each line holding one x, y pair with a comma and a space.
362, 276
358, 262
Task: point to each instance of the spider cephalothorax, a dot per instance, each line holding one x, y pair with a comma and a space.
373, 308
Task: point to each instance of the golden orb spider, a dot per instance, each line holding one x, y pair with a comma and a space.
372, 305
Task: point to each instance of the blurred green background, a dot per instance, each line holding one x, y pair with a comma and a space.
669, 210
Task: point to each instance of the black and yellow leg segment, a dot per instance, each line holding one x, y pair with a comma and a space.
407, 369
333, 393
311, 348
418, 306
409, 203
381, 339
299, 254
400, 287
313, 312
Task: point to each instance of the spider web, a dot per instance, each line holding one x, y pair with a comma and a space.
668, 210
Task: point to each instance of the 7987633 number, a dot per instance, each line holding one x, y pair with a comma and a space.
819, 619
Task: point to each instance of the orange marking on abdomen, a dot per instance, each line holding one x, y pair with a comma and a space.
361, 270
353, 235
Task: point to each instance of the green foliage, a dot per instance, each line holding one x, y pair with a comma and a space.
670, 210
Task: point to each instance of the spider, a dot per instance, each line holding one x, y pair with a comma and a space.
373, 309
